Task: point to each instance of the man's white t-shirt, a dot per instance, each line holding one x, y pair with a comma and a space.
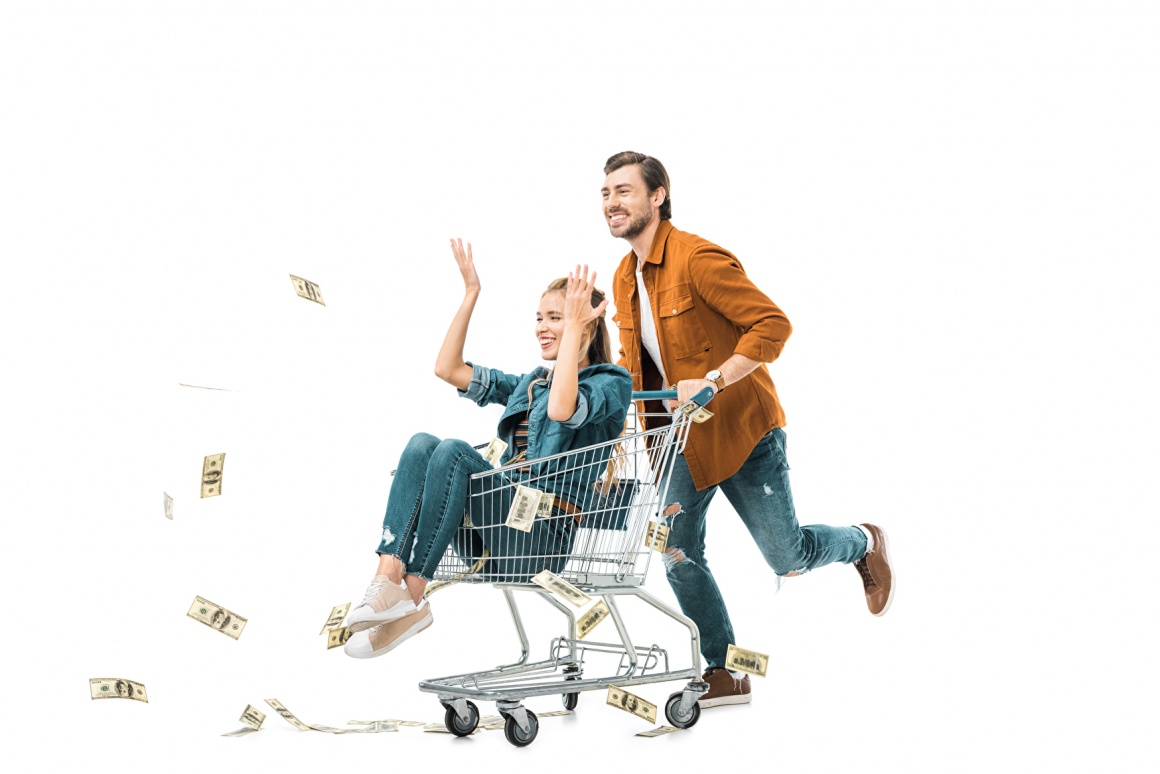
648, 329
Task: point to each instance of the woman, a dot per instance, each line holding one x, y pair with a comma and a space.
582, 401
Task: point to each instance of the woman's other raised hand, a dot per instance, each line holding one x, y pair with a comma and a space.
466, 266
578, 298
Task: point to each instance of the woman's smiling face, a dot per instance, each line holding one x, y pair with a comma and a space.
550, 324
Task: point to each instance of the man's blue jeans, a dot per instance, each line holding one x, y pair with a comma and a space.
425, 509
760, 494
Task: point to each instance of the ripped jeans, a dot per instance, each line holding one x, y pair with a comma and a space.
425, 509
760, 494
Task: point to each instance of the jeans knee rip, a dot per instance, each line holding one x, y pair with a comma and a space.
768, 489
673, 556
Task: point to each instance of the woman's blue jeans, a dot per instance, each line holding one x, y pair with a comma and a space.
760, 494
429, 497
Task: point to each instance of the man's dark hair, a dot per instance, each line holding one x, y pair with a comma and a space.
651, 170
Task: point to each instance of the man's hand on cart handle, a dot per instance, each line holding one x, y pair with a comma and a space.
693, 389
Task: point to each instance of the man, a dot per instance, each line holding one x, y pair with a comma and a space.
690, 317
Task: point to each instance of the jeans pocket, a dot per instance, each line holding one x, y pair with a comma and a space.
777, 442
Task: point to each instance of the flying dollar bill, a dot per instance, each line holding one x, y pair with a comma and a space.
589, 620
746, 661
337, 613
701, 415
252, 717
217, 617
337, 637
495, 451
544, 509
287, 715
659, 731
168, 506
117, 688
631, 703
561, 588
211, 475
657, 537
308, 290
241, 732
525, 505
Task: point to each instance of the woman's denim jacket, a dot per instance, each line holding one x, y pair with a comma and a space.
603, 395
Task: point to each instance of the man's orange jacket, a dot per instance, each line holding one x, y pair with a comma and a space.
705, 309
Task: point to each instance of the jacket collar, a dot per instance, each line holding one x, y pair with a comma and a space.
656, 253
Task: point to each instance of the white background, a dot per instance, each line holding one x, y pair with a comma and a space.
955, 204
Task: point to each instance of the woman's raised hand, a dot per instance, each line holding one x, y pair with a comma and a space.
466, 265
578, 298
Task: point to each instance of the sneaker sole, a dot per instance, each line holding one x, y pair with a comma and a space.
418, 627
893, 576
722, 700
371, 620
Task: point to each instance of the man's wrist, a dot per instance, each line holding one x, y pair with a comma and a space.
717, 379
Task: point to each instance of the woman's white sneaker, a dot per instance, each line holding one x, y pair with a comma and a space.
386, 637
384, 601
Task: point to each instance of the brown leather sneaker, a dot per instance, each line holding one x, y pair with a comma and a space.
877, 578
724, 688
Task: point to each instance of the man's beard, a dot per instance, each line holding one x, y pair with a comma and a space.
637, 224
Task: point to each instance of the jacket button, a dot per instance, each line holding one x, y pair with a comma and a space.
674, 310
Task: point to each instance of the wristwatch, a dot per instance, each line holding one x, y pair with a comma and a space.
716, 377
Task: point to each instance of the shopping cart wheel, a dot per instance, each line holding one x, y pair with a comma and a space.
458, 725
571, 700
516, 735
673, 708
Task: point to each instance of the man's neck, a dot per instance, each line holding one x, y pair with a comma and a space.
642, 242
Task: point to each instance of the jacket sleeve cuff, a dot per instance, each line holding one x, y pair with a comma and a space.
761, 350
477, 391
580, 414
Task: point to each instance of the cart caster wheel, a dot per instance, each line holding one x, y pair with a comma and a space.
571, 700
516, 735
458, 725
688, 720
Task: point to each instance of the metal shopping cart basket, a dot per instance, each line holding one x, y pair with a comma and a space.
594, 532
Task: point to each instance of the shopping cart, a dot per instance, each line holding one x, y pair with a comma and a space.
594, 533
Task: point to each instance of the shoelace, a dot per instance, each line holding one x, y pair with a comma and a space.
864, 570
372, 592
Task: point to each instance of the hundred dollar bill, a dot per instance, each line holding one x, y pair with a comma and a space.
631, 703
217, 617
659, 731
657, 536
746, 661
337, 613
376, 727
288, 716
337, 637
589, 620
168, 506
492, 723
391, 721
472, 570
117, 688
701, 415
561, 588
241, 732
523, 510
252, 717
495, 451
211, 475
544, 509
553, 713
307, 289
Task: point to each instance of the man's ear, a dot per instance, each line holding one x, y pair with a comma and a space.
659, 196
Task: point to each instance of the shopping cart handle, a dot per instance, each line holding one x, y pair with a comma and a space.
701, 398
